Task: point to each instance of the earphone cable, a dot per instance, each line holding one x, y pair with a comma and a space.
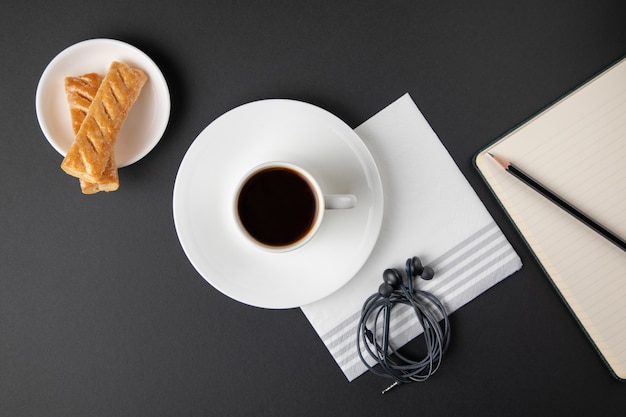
376, 313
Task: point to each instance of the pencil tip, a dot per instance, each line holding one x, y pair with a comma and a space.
499, 160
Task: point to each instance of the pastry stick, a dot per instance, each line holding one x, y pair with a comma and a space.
80, 92
91, 151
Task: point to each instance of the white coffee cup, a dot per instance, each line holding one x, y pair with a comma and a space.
279, 206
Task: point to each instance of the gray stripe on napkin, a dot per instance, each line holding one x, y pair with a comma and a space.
475, 257
450, 253
351, 364
458, 249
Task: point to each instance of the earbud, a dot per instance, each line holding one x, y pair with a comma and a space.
428, 273
415, 265
385, 290
414, 268
392, 277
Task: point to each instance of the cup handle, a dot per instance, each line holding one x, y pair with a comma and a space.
339, 201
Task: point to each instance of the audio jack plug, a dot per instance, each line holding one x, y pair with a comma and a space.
390, 387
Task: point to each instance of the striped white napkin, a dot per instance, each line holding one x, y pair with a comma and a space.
432, 212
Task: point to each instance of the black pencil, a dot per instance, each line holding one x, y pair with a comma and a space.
541, 189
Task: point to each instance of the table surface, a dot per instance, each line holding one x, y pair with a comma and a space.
101, 313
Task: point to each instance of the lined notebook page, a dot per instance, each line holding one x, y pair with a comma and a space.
577, 148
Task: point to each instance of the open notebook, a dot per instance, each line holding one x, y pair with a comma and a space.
577, 148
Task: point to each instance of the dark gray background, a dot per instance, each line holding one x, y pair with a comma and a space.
101, 314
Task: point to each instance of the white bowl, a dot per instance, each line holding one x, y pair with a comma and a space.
146, 121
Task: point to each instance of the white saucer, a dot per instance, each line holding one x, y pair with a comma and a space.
146, 121
284, 130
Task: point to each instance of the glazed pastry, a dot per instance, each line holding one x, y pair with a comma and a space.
92, 149
80, 92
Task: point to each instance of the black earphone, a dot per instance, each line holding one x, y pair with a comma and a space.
376, 313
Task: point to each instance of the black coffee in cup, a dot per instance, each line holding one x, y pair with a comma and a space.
277, 206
